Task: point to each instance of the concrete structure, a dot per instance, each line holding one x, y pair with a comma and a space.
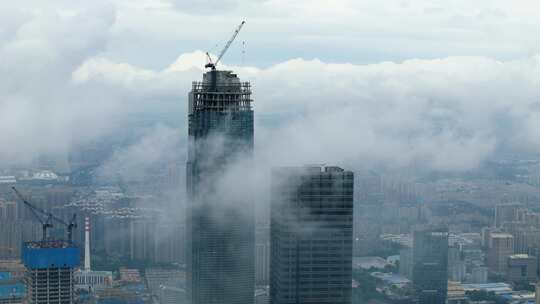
219, 230
496, 288
456, 264
91, 280
430, 265
171, 295
12, 289
505, 213
311, 235
168, 285
537, 293
86, 278
367, 263
406, 262
14, 268
456, 294
500, 247
129, 275
50, 268
262, 255
87, 243
10, 230
391, 279
262, 296
7, 179
521, 268
479, 275
12, 293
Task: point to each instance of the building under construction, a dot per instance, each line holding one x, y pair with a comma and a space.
50, 266
220, 234
50, 263
220, 229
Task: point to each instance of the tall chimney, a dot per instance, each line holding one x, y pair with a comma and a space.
86, 243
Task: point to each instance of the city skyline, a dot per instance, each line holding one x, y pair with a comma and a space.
270, 152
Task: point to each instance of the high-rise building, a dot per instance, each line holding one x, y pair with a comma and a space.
430, 265
456, 264
262, 255
500, 247
50, 266
311, 235
405, 262
505, 213
219, 229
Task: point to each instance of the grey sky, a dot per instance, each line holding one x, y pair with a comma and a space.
333, 31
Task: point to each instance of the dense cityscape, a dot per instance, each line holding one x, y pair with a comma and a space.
209, 198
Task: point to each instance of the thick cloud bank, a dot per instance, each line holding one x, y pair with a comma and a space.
446, 114
59, 89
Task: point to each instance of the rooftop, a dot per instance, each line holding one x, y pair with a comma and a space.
498, 288
391, 278
501, 235
369, 262
14, 290
521, 256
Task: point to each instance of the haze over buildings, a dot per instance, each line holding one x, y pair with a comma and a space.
430, 265
311, 235
433, 105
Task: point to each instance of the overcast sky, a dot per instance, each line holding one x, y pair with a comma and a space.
442, 83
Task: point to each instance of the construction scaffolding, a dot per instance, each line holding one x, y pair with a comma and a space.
221, 97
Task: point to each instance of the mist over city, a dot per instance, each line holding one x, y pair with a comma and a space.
266, 151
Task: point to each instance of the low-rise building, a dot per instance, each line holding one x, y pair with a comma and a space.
456, 293
91, 280
521, 268
12, 289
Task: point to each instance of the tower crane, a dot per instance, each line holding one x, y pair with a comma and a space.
46, 224
212, 65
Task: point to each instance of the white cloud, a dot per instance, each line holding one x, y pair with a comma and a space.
42, 113
445, 114
68, 78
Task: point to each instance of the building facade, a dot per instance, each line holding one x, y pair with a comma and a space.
50, 271
505, 213
456, 264
406, 262
262, 255
220, 231
311, 235
500, 247
521, 268
430, 265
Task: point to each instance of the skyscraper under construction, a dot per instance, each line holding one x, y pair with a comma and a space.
220, 229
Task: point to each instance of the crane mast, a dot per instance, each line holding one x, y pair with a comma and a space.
213, 65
